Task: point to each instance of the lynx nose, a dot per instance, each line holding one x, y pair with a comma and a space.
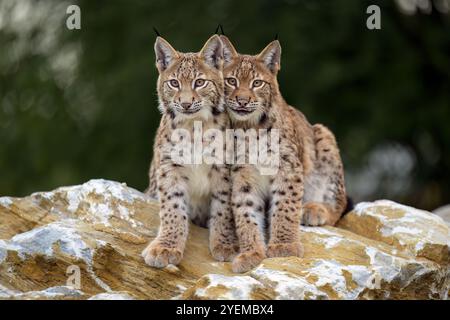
242, 101
186, 105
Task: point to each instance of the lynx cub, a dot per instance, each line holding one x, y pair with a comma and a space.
309, 186
190, 88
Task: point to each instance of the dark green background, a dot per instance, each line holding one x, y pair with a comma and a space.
76, 105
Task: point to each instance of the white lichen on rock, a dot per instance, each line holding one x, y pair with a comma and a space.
109, 193
228, 287
112, 296
288, 286
59, 292
42, 239
5, 202
420, 232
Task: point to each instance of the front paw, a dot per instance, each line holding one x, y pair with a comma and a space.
285, 250
222, 252
315, 214
159, 256
246, 261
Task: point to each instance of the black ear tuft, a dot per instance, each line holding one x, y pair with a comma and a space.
276, 36
156, 31
219, 29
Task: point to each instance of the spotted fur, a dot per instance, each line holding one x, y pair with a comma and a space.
309, 186
200, 193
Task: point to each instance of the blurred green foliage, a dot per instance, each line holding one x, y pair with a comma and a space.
81, 104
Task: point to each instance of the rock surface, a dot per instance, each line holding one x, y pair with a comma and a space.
381, 250
444, 213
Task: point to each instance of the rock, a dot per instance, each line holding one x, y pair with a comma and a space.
420, 233
52, 293
381, 250
444, 213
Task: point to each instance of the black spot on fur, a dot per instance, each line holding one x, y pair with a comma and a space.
215, 111
263, 118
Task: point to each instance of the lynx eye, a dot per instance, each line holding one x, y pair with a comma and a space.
174, 83
257, 83
199, 83
231, 81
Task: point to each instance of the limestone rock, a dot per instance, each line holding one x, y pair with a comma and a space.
381, 250
444, 213
420, 233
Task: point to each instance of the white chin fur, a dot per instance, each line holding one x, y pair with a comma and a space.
249, 119
204, 114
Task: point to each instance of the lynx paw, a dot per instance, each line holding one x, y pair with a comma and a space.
222, 252
246, 261
315, 214
158, 256
285, 250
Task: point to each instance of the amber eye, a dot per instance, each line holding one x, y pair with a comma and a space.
174, 83
199, 83
232, 81
257, 83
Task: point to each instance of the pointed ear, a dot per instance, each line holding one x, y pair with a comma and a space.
211, 52
271, 56
229, 52
165, 54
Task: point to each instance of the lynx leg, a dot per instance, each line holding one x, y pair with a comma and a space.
285, 213
168, 246
152, 189
223, 241
325, 198
248, 207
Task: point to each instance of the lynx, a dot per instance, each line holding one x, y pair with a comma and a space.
309, 186
190, 88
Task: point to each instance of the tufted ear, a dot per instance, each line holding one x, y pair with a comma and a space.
165, 54
229, 52
211, 52
271, 56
